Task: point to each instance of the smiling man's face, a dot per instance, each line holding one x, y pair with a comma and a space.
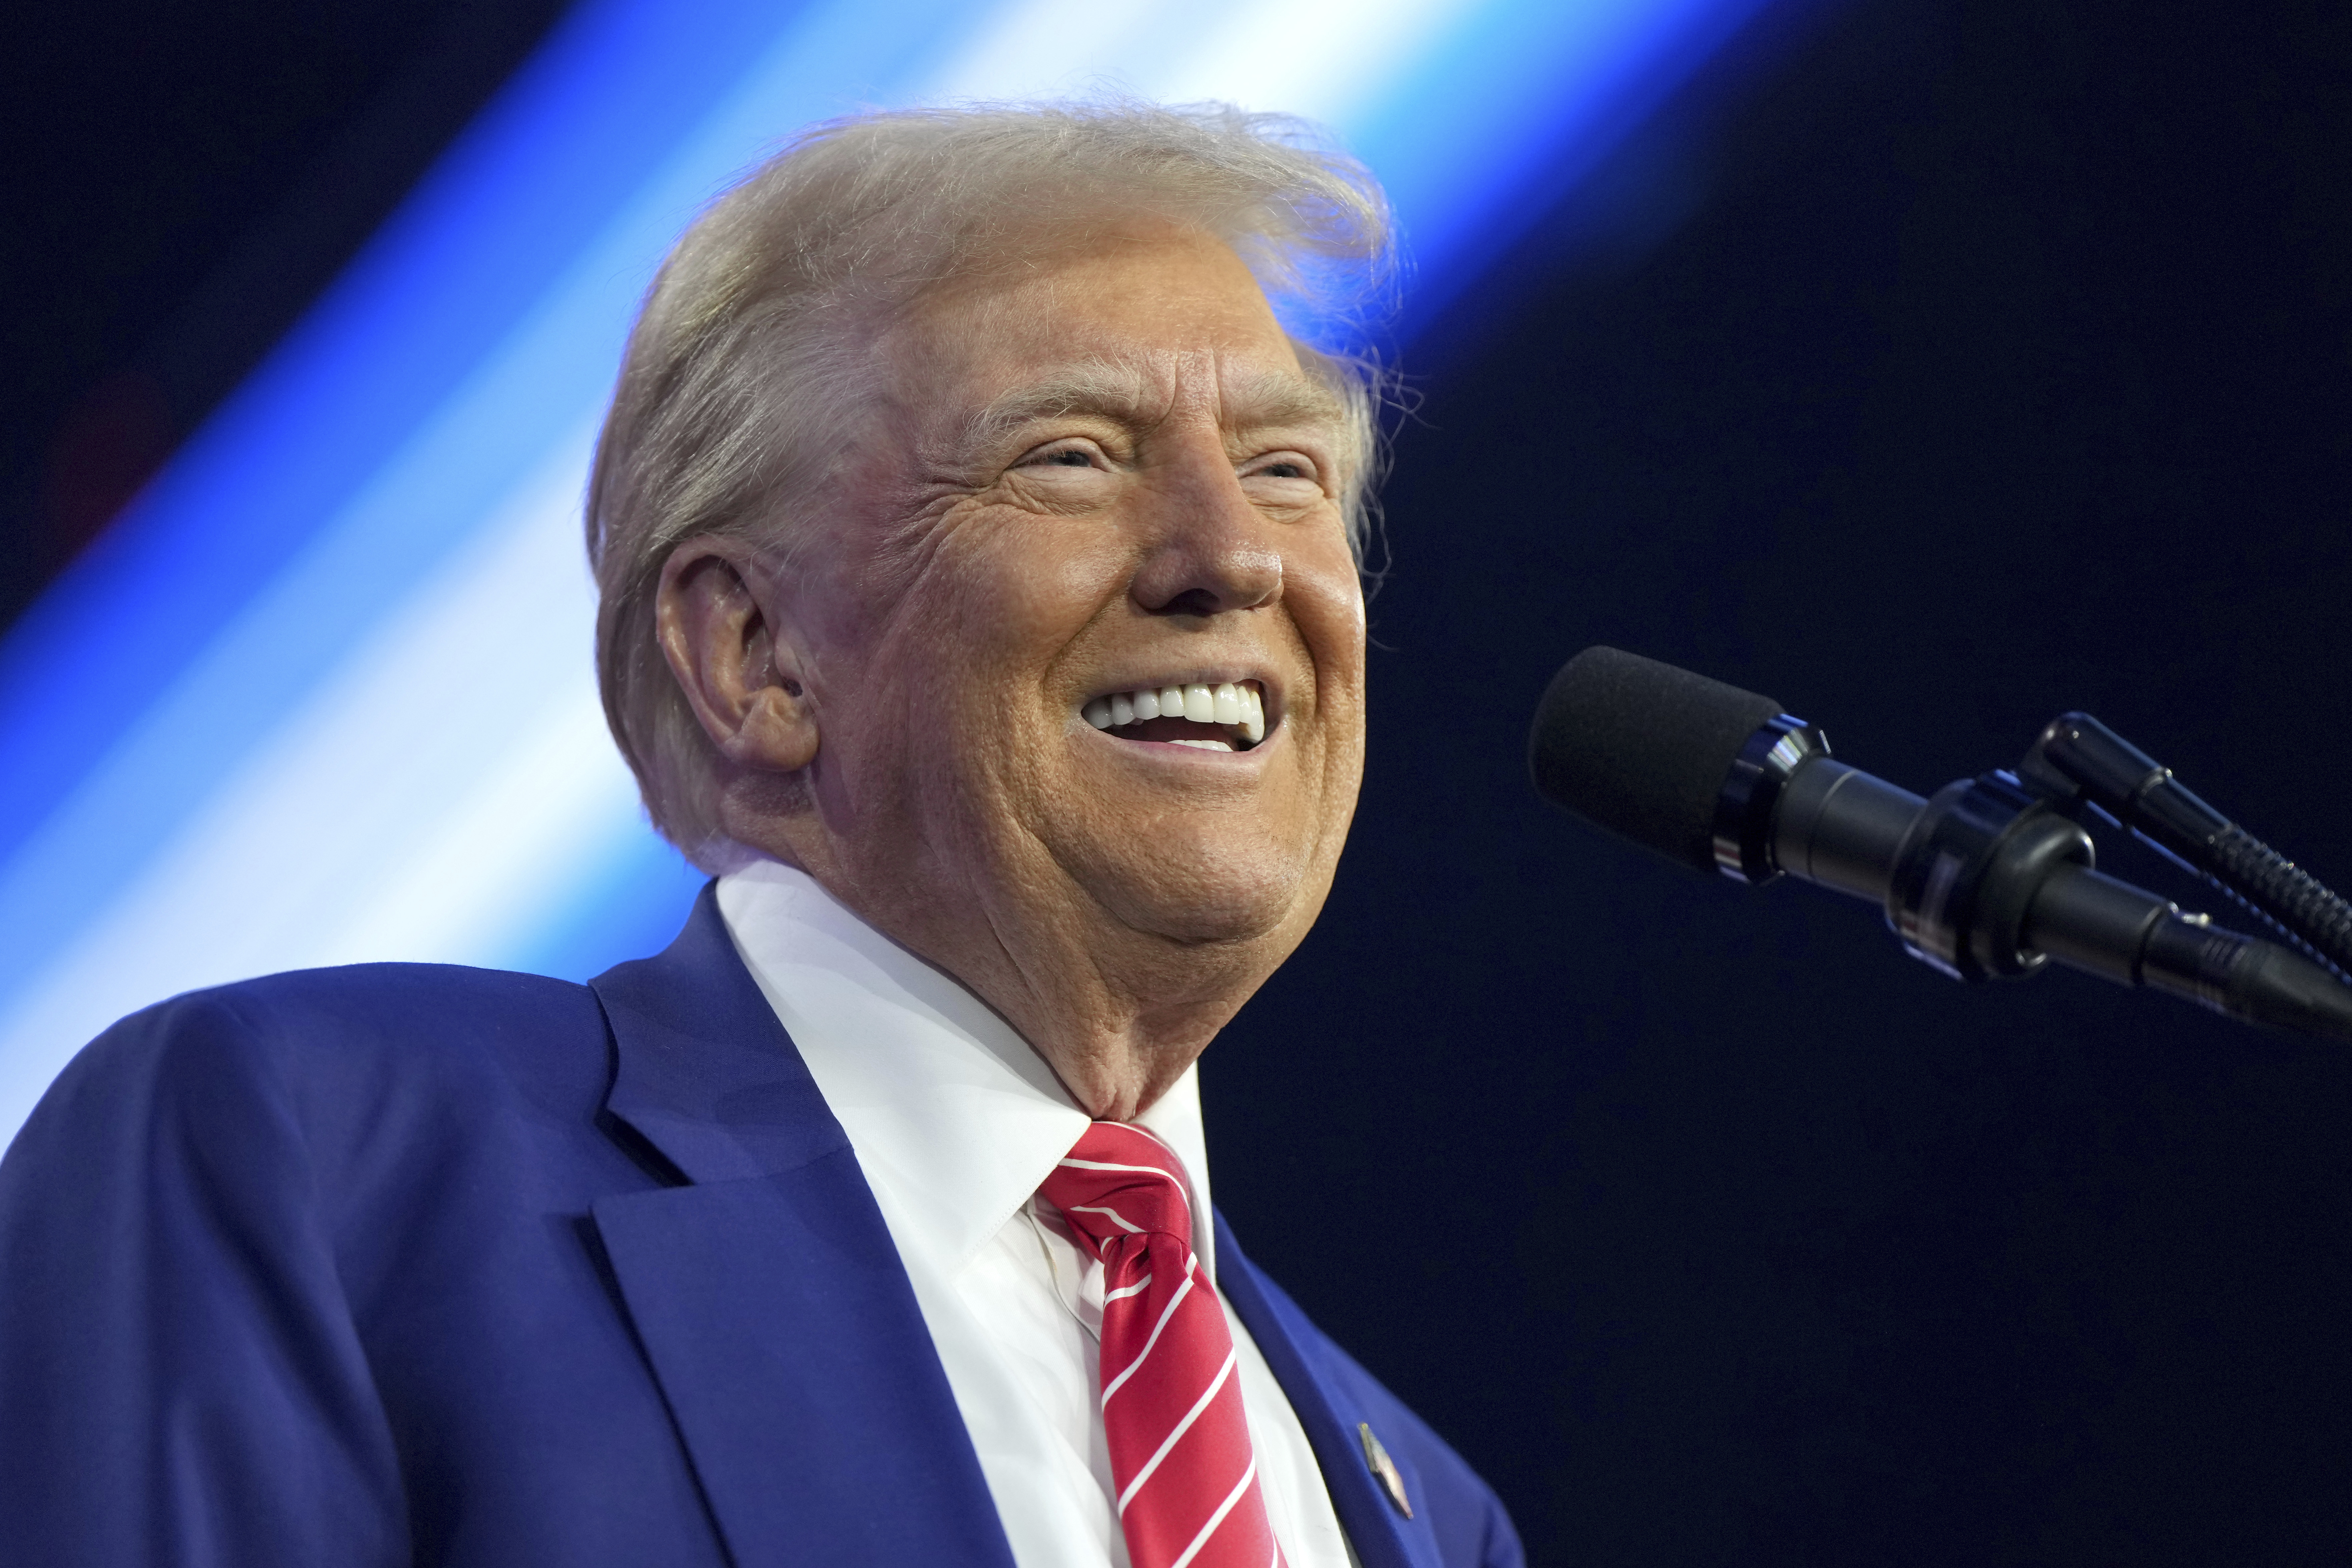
1098, 489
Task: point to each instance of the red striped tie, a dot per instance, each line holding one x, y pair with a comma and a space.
1171, 1400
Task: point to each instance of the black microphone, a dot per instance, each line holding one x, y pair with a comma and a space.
1981, 881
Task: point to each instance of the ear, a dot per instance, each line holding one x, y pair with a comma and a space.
741, 677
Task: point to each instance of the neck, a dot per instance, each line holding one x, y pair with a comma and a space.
1120, 1015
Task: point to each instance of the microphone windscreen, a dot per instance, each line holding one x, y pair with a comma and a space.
1642, 749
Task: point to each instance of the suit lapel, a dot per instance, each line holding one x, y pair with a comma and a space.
768, 1293
1381, 1538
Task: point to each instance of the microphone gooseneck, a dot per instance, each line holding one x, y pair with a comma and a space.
2076, 758
1983, 879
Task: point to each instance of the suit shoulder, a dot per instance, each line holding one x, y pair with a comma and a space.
417, 993
432, 1016
312, 1041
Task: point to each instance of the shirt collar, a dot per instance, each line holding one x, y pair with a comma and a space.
955, 1119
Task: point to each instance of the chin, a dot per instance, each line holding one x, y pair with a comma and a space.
1223, 898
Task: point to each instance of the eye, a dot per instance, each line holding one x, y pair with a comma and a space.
1069, 454
1286, 479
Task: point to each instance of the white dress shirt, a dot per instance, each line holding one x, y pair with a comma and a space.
955, 1121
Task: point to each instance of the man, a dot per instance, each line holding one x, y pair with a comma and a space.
980, 600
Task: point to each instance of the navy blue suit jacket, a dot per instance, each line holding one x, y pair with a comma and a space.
415, 1264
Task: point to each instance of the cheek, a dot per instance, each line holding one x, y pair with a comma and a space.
1326, 599
1020, 594
959, 706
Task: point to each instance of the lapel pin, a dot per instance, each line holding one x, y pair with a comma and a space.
1377, 1459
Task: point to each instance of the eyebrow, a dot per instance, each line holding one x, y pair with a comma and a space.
1121, 393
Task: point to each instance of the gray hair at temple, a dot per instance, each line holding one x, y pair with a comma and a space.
746, 363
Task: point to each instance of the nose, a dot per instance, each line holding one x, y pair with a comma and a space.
1212, 549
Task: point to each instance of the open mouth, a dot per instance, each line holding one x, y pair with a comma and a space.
1226, 716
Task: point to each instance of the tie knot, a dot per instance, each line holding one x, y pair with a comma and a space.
1120, 1181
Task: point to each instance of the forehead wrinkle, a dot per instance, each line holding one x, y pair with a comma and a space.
1118, 390
1255, 397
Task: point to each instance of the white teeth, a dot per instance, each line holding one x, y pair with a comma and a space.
1235, 705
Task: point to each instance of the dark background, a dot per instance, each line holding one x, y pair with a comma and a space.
178, 180
1932, 365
